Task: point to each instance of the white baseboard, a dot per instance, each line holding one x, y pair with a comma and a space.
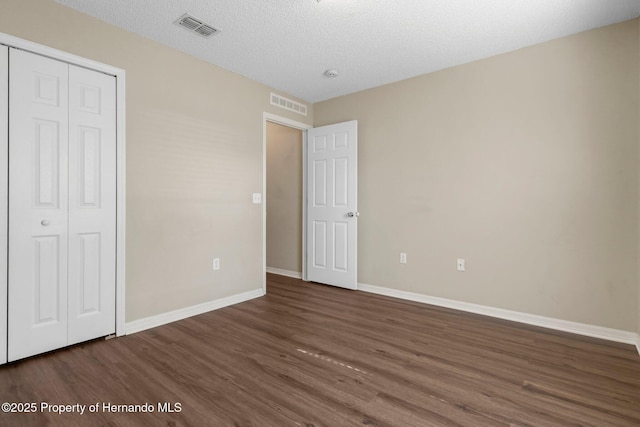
515, 316
194, 310
281, 272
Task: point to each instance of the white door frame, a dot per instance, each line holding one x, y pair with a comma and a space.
273, 118
119, 74
4, 197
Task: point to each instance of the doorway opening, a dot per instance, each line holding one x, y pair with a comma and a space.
329, 201
284, 200
283, 188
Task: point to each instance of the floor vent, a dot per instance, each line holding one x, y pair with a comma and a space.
288, 104
195, 25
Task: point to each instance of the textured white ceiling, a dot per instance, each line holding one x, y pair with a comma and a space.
288, 44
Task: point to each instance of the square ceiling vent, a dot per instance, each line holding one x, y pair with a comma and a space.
196, 26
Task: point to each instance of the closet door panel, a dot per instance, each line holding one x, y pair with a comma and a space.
4, 117
92, 204
38, 204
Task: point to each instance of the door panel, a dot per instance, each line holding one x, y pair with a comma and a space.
341, 182
340, 244
92, 204
331, 195
46, 151
90, 283
4, 170
47, 284
38, 203
319, 242
320, 183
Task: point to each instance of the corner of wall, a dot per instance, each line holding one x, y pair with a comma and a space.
143, 324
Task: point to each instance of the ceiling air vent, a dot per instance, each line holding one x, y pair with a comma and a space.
195, 25
288, 104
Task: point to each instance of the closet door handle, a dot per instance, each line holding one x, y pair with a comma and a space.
45, 222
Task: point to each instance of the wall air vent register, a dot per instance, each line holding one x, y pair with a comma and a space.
196, 26
288, 104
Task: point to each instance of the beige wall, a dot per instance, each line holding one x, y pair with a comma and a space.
194, 156
524, 164
284, 197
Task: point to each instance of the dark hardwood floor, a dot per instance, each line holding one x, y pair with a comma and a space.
313, 355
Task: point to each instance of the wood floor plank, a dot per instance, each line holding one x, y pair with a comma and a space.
313, 355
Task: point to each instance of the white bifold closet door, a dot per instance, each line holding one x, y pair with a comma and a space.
62, 204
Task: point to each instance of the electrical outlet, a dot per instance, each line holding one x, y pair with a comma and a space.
403, 258
257, 198
216, 263
460, 264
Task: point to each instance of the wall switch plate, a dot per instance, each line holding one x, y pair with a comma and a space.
257, 198
403, 258
216, 263
460, 264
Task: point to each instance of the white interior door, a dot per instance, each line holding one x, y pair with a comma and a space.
332, 204
4, 116
38, 204
92, 204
